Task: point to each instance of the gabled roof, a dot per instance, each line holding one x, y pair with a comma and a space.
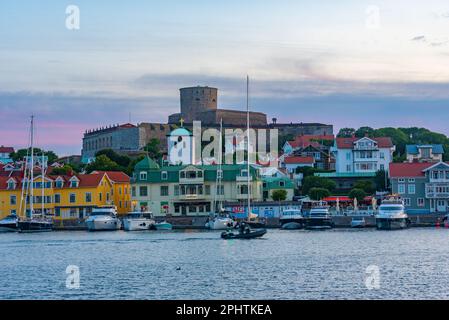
414, 169
414, 148
4, 149
115, 176
147, 164
307, 140
439, 164
299, 160
348, 143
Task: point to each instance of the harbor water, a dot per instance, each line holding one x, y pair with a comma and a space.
332, 264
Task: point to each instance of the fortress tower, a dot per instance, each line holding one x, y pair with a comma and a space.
195, 100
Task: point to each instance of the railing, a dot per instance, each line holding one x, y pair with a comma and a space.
191, 180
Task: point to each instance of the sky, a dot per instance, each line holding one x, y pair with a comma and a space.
348, 63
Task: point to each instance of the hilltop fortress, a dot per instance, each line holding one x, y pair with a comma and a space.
196, 104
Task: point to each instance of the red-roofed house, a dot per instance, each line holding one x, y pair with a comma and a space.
363, 155
316, 146
424, 187
290, 163
5, 154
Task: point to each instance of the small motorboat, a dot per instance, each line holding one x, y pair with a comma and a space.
103, 218
220, 223
358, 222
136, 221
162, 226
9, 224
291, 219
227, 235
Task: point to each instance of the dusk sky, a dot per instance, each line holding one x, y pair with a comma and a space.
336, 62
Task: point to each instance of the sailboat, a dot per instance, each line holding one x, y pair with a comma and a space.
245, 231
33, 222
220, 220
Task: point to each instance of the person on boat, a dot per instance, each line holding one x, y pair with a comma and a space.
244, 228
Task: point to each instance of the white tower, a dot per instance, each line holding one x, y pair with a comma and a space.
181, 147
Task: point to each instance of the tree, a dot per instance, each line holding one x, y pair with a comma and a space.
279, 195
21, 154
154, 149
65, 170
365, 185
317, 182
103, 163
381, 180
346, 133
121, 160
365, 132
318, 193
358, 194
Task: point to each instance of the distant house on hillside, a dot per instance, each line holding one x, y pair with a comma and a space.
5, 154
315, 146
424, 153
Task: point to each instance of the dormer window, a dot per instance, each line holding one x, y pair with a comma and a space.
11, 185
164, 175
143, 175
59, 183
74, 182
220, 174
244, 173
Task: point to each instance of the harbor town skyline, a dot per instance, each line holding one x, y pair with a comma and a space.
362, 63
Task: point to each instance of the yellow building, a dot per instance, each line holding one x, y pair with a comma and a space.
66, 196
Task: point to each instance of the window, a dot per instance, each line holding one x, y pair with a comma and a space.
348, 155
11, 185
164, 175
143, 191
164, 191
57, 198
176, 190
12, 200
220, 174
73, 184
401, 188
88, 197
100, 196
420, 202
143, 175
207, 189
407, 202
401, 180
411, 180
120, 190
72, 198
281, 183
382, 155
107, 196
182, 174
133, 191
411, 189
59, 184
244, 173
348, 168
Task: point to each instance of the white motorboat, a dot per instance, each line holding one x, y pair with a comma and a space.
103, 219
391, 215
220, 223
358, 222
291, 219
319, 216
9, 224
137, 221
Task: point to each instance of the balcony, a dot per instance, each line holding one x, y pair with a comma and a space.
437, 190
243, 178
191, 180
193, 196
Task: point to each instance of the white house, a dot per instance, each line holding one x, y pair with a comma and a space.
291, 163
181, 147
363, 155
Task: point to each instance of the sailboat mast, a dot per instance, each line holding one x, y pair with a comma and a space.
220, 167
247, 147
32, 168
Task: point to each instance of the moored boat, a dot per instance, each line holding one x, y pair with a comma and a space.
35, 225
161, 226
319, 217
9, 224
391, 215
103, 219
137, 221
291, 219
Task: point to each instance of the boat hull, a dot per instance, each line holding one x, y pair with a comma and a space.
292, 225
103, 225
250, 235
318, 223
34, 226
8, 228
137, 224
220, 224
391, 224
162, 226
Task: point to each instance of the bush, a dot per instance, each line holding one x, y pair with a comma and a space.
317, 182
318, 193
358, 194
279, 195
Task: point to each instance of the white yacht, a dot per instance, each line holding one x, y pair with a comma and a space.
319, 216
291, 219
103, 218
9, 224
392, 214
138, 221
220, 223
